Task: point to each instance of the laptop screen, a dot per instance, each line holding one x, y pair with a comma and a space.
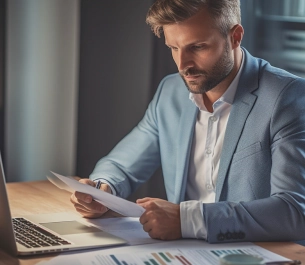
7, 237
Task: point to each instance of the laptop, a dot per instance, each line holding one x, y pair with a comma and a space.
47, 233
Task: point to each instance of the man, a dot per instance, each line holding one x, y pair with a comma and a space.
231, 145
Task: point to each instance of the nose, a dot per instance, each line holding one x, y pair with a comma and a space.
183, 60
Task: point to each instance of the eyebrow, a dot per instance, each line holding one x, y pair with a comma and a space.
189, 44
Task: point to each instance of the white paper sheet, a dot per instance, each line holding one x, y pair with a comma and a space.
128, 228
193, 251
114, 203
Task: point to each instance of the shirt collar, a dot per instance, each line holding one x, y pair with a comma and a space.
229, 94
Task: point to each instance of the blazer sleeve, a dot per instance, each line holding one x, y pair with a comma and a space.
135, 158
281, 216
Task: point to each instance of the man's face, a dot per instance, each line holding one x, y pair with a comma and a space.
203, 56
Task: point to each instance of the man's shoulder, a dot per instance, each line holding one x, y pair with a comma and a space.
270, 75
266, 71
279, 77
279, 72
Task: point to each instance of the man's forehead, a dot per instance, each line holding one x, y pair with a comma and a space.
187, 34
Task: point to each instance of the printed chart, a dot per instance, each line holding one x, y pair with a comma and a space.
172, 257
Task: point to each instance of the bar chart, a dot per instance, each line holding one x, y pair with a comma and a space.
171, 256
180, 252
154, 258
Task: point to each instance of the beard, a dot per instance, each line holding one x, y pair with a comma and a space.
212, 78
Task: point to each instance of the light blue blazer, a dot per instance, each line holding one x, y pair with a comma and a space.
260, 190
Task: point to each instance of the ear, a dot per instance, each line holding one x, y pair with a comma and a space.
237, 33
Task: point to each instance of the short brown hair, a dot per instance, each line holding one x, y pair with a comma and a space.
226, 13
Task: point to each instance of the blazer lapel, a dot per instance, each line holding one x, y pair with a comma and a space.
184, 143
242, 105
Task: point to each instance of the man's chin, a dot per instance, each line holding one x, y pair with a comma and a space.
195, 89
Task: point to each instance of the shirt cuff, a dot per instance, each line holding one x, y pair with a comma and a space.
106, 182
192, 220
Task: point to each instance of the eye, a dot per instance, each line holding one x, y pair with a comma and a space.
172, 48
198, 47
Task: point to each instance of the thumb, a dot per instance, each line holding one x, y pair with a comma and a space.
106, 188
87, 182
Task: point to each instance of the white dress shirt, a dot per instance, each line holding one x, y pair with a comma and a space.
204, 160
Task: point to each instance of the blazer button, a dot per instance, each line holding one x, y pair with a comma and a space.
235, 235
228, 236
221, 237
241, 235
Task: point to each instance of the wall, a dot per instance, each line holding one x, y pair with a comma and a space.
120, 67
50, 124
2, 52
41, 88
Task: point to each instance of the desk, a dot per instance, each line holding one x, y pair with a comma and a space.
43, 197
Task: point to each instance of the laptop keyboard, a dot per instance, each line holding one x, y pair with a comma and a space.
30, 235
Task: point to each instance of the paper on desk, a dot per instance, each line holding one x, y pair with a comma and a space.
114, 203
128, 228
195, 252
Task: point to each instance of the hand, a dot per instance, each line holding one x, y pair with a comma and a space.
161, 220
85, 205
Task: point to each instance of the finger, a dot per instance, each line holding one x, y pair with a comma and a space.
74, 199
147, 228
155, 235
106, 188
84, 203
149, 205
92, 206
77, 205
90, 212
83, 197
147, 216
143, 200
143, 219
87, 182
95, 207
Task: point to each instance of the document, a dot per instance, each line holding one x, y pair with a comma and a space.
179, 252
114, 203
128, 228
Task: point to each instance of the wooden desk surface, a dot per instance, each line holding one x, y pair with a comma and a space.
43, 197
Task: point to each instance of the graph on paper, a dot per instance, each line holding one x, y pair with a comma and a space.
169, 257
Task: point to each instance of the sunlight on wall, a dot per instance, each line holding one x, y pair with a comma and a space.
41, 88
